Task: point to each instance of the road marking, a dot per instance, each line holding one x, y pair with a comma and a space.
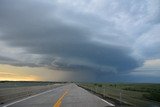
27, 98
59, 101
99, 98
106, 102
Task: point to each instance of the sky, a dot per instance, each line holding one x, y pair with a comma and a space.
80, 40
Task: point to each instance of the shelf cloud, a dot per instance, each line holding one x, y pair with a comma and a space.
99, 37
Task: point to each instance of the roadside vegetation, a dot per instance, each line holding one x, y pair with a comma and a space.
141, 95
14, 90
13, 84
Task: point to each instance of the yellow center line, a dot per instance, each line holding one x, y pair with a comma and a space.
59, 101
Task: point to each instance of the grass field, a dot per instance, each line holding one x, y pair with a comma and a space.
141, 95
13, 84
14, 90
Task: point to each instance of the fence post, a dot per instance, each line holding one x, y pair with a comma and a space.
104, 93
120, 98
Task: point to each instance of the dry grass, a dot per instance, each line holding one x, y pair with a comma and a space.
11, 94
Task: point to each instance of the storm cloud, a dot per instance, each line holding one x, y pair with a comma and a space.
79, 36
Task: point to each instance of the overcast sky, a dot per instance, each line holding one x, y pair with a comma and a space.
87, 40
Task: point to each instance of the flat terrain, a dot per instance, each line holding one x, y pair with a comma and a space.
10, 92
18, 84
51, 94
141, 95
69, 95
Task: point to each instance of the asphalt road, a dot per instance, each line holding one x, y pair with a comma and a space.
69, 95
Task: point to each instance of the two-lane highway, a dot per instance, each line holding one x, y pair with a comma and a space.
69, 95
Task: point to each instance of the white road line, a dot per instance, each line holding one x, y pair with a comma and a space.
106, 102
28, 98
99, 98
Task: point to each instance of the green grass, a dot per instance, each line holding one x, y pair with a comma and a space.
14, 84
143, 95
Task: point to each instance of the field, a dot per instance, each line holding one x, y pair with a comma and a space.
14, 84
11, 90
141, 95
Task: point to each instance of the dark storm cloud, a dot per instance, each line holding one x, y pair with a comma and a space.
10, 61
35, 26
5, 59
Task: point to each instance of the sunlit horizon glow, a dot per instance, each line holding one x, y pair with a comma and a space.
16, 73
80, 40
12, 73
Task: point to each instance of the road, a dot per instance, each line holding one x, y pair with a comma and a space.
69, 95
